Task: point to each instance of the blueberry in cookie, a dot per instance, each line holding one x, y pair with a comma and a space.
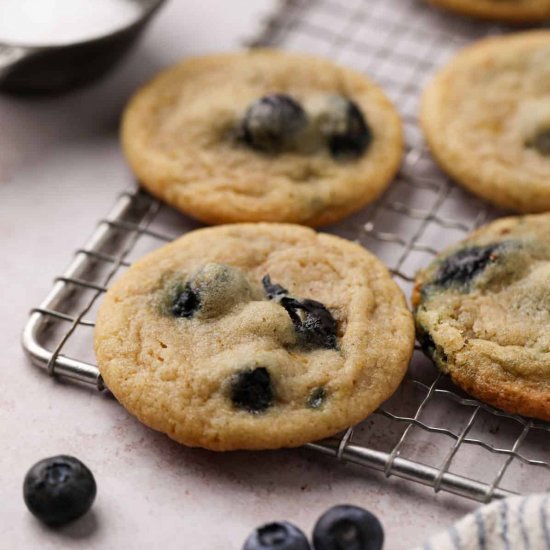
252, 390
271, 122
486, 117
312, 321
482, 311
462, 267
346, 130
254, 336
263, 135
185, 302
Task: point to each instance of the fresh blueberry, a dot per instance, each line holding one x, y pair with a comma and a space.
252, 391
185, 302
542, 142
348, 527
271, 122
273, 291
277, 536
59, 489
463, 266
313, 322
316, 398
346, 129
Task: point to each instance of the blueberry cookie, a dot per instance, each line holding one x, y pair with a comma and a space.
263, 136
254, 336
486, 117
502, 10
482, 313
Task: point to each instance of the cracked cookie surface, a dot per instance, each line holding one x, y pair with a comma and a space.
503, 10
254, 336
263, 136
486, 117
482, 311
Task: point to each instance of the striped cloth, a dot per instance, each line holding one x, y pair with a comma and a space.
516, 523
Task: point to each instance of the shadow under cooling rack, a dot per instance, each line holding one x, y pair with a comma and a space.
428, 432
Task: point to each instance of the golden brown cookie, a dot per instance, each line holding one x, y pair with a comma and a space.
486, 117
503, 10
483, 314
254, 336
263, 136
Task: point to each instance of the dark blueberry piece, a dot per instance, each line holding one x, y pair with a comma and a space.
277, 536
185, 302
463, 266
273, 291
316, 398
252, 390
272, 121
59, 489
348, 527
542, 142
354, 135
312, 321
426, 342
430, 348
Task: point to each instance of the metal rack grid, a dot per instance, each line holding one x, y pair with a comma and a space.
429, 431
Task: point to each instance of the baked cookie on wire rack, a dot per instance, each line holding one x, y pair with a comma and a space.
263, 136
254, 336
486, 117
482, 312
518, 11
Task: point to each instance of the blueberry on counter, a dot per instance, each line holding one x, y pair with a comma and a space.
59, 489
272, 121
347, 527
251, 390
277, 536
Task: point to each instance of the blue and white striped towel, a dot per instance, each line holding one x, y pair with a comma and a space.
517, 523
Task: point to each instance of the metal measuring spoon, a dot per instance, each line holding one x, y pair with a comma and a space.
57, 68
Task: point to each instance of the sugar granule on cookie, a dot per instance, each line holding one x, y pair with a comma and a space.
254, 336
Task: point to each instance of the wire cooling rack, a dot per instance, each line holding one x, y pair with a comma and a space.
429, 431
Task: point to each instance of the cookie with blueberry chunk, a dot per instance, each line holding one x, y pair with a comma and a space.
254, 336
502, 10
486, 117
482, 312
263, 136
